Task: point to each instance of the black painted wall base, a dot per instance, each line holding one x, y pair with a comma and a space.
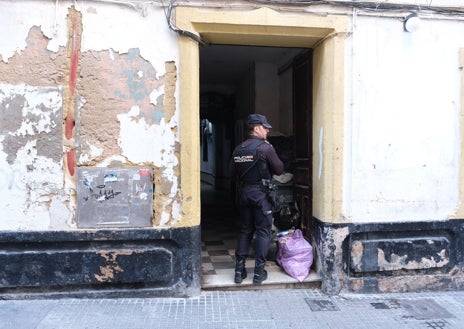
101, 263
390, 257
364, 258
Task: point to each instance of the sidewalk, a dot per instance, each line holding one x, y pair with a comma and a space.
275, 308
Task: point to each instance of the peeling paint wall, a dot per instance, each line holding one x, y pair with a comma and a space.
390, 257
117, 67
31, 182
84, 84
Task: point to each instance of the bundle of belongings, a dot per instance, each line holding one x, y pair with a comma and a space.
286, 214
295, 255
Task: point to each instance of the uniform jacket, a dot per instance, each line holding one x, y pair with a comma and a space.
268, 159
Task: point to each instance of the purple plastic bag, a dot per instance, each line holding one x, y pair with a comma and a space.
295, 255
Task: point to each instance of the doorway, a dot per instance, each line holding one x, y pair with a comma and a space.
328, 35
236, 80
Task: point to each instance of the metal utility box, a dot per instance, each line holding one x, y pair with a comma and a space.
114, 197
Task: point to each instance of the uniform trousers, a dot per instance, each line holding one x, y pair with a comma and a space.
255, 218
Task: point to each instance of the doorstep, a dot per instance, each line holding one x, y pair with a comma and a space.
277, 278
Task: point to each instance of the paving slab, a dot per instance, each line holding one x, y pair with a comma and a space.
264, 308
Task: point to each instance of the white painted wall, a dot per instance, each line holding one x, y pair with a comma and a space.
402, 146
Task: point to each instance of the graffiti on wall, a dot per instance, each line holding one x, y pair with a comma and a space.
114, 197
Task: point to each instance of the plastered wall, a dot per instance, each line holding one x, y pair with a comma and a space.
97, 84
403, 141
86, 84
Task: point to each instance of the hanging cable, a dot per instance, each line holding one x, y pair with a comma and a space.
189, 34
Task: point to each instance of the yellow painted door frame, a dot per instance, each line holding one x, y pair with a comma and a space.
266, 27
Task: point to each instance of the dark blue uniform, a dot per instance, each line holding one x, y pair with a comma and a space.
255, 207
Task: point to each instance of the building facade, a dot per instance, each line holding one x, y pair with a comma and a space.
100, 160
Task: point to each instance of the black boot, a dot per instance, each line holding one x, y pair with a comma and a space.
260, 274
240, 271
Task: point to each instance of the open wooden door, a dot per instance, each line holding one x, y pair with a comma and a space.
302, 125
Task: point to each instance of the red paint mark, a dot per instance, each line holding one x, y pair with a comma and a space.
144, 172
69, 126
74, 54
70, 122
70, 158
74, 44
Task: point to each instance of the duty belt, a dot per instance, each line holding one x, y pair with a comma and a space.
251, 184
268, 183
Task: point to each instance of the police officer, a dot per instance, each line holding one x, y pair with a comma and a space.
252, 161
